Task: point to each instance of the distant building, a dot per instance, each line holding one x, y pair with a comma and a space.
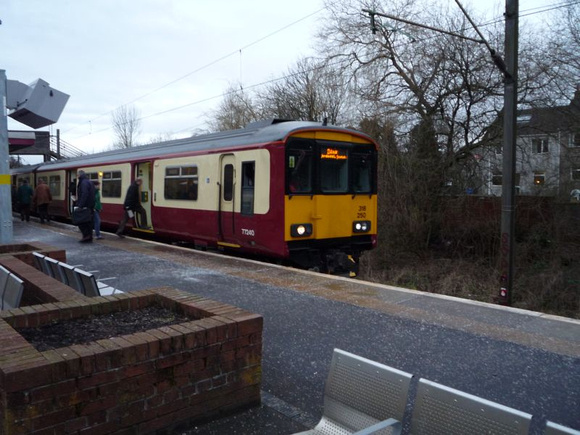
547, 154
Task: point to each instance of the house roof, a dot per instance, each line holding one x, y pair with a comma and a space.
548, 120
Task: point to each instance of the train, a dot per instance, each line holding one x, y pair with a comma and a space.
295, 192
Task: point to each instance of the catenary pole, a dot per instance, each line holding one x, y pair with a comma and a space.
509, 69
508, 211
6, 232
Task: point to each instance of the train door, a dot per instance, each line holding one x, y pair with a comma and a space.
227, 200
143, 170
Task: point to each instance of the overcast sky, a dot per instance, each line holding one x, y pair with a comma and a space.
171, 59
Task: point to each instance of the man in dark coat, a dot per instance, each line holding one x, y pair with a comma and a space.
86, 199
133, 205
24, 198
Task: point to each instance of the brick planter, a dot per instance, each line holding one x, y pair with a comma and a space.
138, 383
23, 251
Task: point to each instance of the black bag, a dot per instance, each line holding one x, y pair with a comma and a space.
82, 216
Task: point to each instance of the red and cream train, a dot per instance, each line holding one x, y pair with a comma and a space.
299, 192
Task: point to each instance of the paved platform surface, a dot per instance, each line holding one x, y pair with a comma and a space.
522, 359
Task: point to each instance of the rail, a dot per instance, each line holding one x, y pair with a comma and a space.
60, 149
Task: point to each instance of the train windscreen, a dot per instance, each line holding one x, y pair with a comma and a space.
326, 167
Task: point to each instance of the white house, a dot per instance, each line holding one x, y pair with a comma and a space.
547, 154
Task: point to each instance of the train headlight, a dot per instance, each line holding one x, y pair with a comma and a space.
301, 230
361, 226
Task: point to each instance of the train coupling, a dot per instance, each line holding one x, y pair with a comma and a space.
341, 263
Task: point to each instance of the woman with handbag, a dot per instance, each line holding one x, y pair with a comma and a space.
83, 212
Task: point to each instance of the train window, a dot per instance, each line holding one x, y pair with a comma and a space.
228, 182
333, 169
54, 184
21, 179
299, 167
111, 185
362, 175
181, 183
248, 182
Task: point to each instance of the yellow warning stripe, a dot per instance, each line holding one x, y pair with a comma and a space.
4, 178
229, 245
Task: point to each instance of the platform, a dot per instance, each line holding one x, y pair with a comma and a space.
522, 359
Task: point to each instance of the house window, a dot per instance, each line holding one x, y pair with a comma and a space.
575, 140
497, 179
523, 119
540, 145
576, 174
539, 178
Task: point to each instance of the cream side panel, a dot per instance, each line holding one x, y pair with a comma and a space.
262, 179
47, 175
208, 176
125, 169
207, 188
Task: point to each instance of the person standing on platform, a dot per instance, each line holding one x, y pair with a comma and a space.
41, 199
98, 208
86, 199
24, 198
133, 205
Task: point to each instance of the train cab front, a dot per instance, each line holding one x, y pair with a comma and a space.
331, 200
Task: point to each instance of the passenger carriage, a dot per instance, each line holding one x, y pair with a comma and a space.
296, 191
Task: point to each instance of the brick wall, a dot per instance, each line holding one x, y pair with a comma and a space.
138, 383
24, 251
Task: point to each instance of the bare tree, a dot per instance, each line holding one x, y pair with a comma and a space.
311, 91
162, 137
439, 93
15, 162
236, 110
127, 126
560, 57
417, 75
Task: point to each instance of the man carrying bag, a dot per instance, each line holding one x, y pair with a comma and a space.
83, 212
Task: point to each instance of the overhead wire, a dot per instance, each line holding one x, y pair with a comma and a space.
524, 13
214, 62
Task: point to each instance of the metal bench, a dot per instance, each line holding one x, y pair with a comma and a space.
40, 263
442, 410
12, 293
82, 281
53, 268
91, 286
557, 429
4, 273
69, 276
362, 397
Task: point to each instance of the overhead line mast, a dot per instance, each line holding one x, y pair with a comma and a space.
509, 70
